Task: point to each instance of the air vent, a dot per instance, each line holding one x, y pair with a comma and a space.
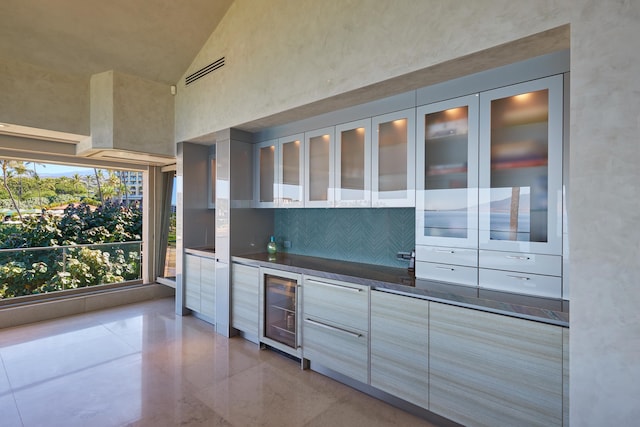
219, 63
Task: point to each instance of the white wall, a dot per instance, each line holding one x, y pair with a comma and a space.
285, 55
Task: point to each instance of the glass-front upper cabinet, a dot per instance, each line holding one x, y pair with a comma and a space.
319, 165
291, 171
353, 164
266, 188
447, 173
521, 167
393, 159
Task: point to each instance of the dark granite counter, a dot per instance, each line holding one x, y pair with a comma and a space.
398, 281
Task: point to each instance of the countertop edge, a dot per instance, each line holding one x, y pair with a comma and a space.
511, 309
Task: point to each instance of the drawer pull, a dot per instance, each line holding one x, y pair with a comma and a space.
445, 268
446, 251
525, 258
331, 285
519, 277
333, 328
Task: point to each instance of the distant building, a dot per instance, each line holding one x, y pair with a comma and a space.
132, 180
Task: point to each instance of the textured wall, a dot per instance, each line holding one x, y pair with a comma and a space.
371, 236
604, 216
282, 54
36, 97
131, 113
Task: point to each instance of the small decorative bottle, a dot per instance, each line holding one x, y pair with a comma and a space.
271, 246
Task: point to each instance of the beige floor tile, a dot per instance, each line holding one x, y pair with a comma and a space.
142, 365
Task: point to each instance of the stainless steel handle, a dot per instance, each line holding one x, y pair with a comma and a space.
445, 251
517, 257
445, 268
519, 277
331, 285
333, 328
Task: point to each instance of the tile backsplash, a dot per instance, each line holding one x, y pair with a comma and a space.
371, 236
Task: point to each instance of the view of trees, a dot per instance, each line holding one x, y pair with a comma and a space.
97, 212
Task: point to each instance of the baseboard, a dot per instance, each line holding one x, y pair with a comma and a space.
60, 307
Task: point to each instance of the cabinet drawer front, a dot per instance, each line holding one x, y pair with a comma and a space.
522, 283
340, 349
341, 303
444, 255
549, 265
447, 273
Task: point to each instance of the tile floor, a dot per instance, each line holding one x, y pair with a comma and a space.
141, 365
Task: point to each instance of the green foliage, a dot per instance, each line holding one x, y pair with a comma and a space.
38, 271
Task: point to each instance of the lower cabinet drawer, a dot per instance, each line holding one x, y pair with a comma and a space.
550, 265
442, 255
522, 283
345, 304
447, 273
342, 350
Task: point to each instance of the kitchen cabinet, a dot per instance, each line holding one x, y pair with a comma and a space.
200, 287
489, 189
353, 164
335, 330
290, 177
319, 153
447, 173
393, 159
520, 215
266, 157
492, 370
245, 297
400, 346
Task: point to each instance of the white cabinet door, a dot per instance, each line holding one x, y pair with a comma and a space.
491, 370
319, 155
400, 346
447, 173
521, 142
266, 174
291, 172
192, 282
393, 165
245, 291
353, 164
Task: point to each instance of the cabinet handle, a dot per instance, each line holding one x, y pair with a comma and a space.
331, 285
519, 277
325, 326
517, 257
445, 268
446, 251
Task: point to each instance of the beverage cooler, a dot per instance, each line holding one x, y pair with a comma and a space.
279, 313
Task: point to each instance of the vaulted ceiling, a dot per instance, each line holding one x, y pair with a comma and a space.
153, 39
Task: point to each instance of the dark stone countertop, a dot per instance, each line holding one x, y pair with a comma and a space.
398, 281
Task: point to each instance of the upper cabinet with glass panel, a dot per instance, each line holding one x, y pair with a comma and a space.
291, 172
319, 168
266, 188
447, 173
353, 164
521, 178
393, 161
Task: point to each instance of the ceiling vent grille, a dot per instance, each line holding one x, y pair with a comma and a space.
217, 64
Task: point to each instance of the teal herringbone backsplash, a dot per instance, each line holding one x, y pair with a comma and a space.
371, 236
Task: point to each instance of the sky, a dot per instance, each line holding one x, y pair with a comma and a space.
51, 169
